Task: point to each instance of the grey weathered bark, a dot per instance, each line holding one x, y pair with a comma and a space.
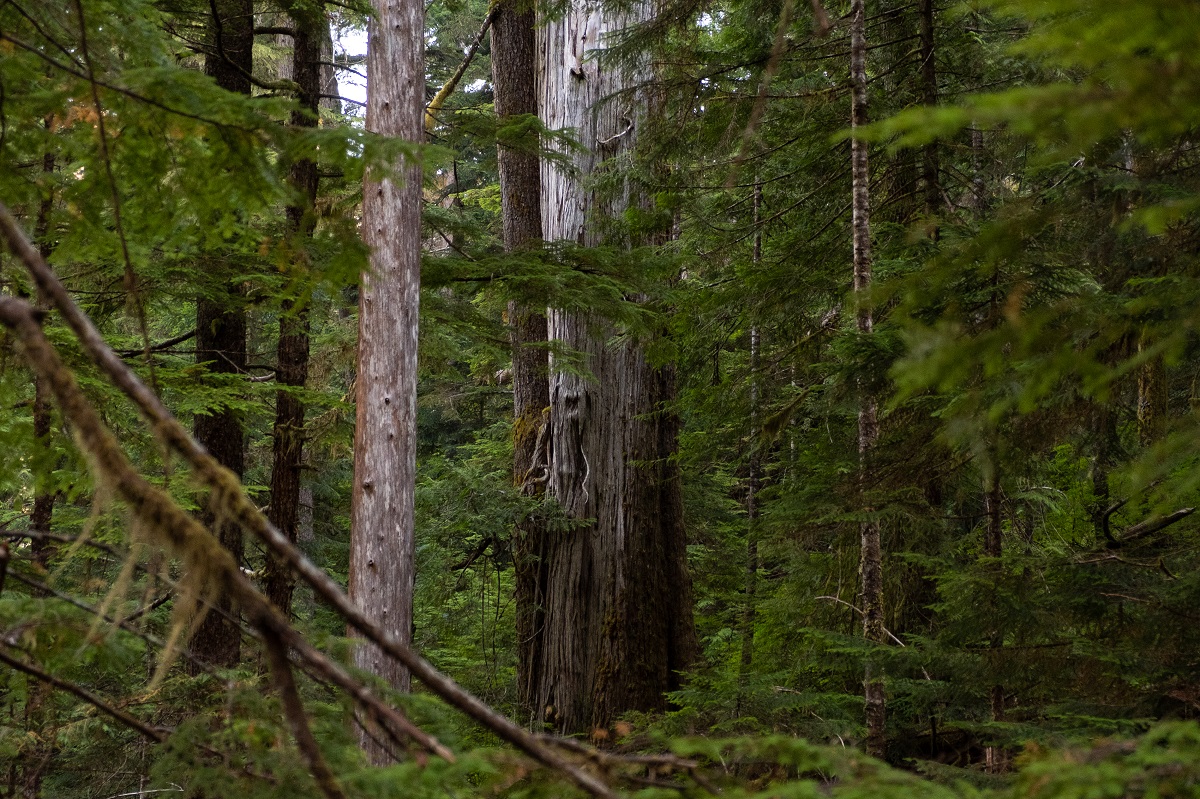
618, 625
221, 331
311, 30
514, 77
868, 423
381, 523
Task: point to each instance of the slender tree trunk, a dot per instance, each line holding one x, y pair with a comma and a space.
311, 29
868, 423
514, 77
381, 520
618, 624
221, 333
43, 498
37, 757
929, 92
750, 610
1151, 395
993, 547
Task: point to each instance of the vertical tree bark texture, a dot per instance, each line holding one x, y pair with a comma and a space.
929, 91
221, 331
381, 522
514, 77
311, 30
868, 423
618, 622
1151, 396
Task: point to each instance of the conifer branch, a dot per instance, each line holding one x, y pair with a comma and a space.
141, 98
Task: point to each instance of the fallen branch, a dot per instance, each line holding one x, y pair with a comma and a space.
1143, 529
444, 93
293, 711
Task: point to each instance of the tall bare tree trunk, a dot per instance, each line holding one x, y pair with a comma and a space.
43, 498
221, 331
750, 610
868, 423
929, 92
385, 434
311, 30
514, 76
618, 624
995, 758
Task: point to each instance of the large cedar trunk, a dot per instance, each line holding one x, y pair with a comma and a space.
221, 332
381, 519
513, 70
311, 30
617, 614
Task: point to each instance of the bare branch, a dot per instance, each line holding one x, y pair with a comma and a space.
161, 517
153, 733
1143, 529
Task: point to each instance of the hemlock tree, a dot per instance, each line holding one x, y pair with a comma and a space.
310, 30
514, 77
221, 329
617, 625
381, 525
